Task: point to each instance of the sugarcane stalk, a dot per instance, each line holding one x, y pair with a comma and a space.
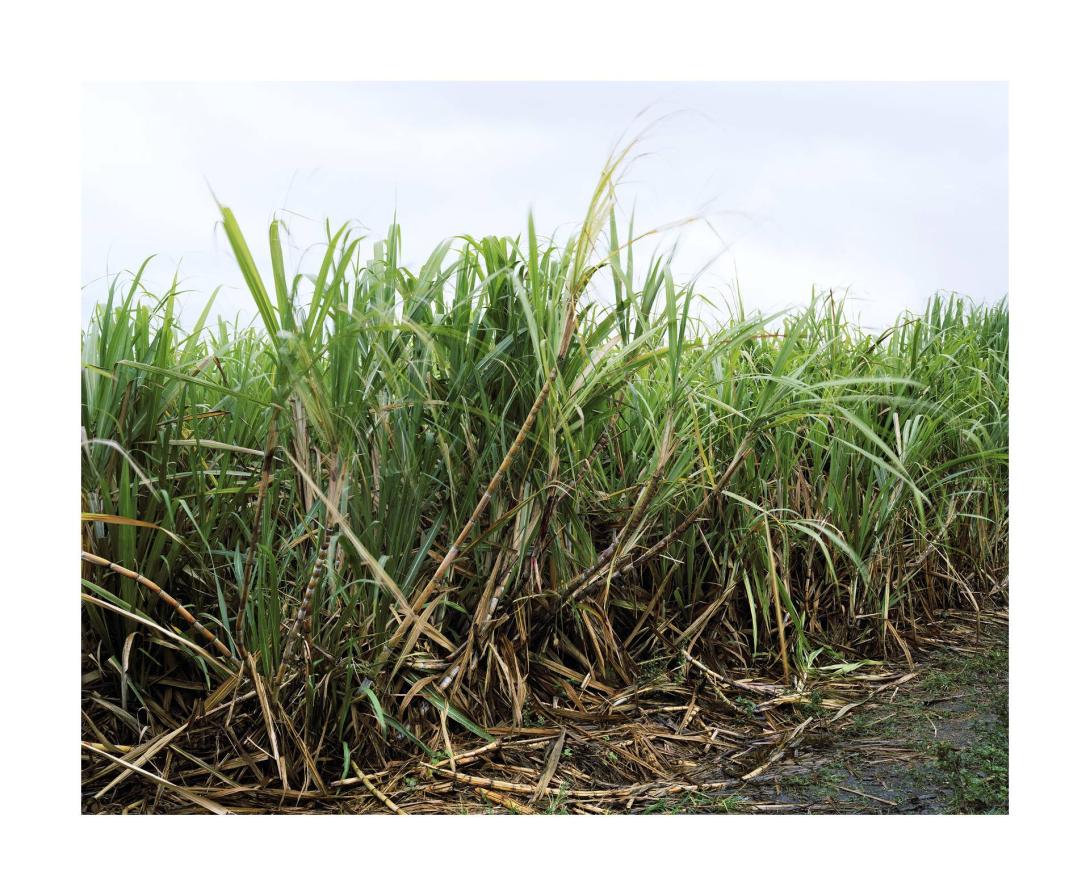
582, 582
776, 605
163, 596
301, 623
633, 521
478, 511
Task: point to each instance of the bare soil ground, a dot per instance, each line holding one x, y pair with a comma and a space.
936, 744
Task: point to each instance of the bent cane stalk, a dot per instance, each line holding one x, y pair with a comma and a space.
587, 578
633, 521
452, 553
163, 596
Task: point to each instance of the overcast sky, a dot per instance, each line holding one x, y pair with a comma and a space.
888, 191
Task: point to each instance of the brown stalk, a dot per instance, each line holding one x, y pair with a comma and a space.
378, 794
301, 623
543, 539
500, 800
604, 793
478, 511
633, 521
493, 485
163, 596
205, 803
583, 582
774, 579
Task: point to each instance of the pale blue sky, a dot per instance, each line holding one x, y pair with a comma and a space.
889, 191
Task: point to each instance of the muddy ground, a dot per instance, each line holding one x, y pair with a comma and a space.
936, 744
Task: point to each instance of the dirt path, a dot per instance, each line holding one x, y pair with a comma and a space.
937, 744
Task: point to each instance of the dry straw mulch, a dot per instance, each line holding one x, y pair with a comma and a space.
599, 751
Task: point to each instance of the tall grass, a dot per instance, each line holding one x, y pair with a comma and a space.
409, 498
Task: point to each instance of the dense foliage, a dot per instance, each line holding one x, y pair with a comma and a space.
524, 470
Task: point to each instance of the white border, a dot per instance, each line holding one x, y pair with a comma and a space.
51, 50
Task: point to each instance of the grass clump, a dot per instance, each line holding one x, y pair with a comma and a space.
411, 502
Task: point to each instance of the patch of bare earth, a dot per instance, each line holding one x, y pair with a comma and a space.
936, 743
